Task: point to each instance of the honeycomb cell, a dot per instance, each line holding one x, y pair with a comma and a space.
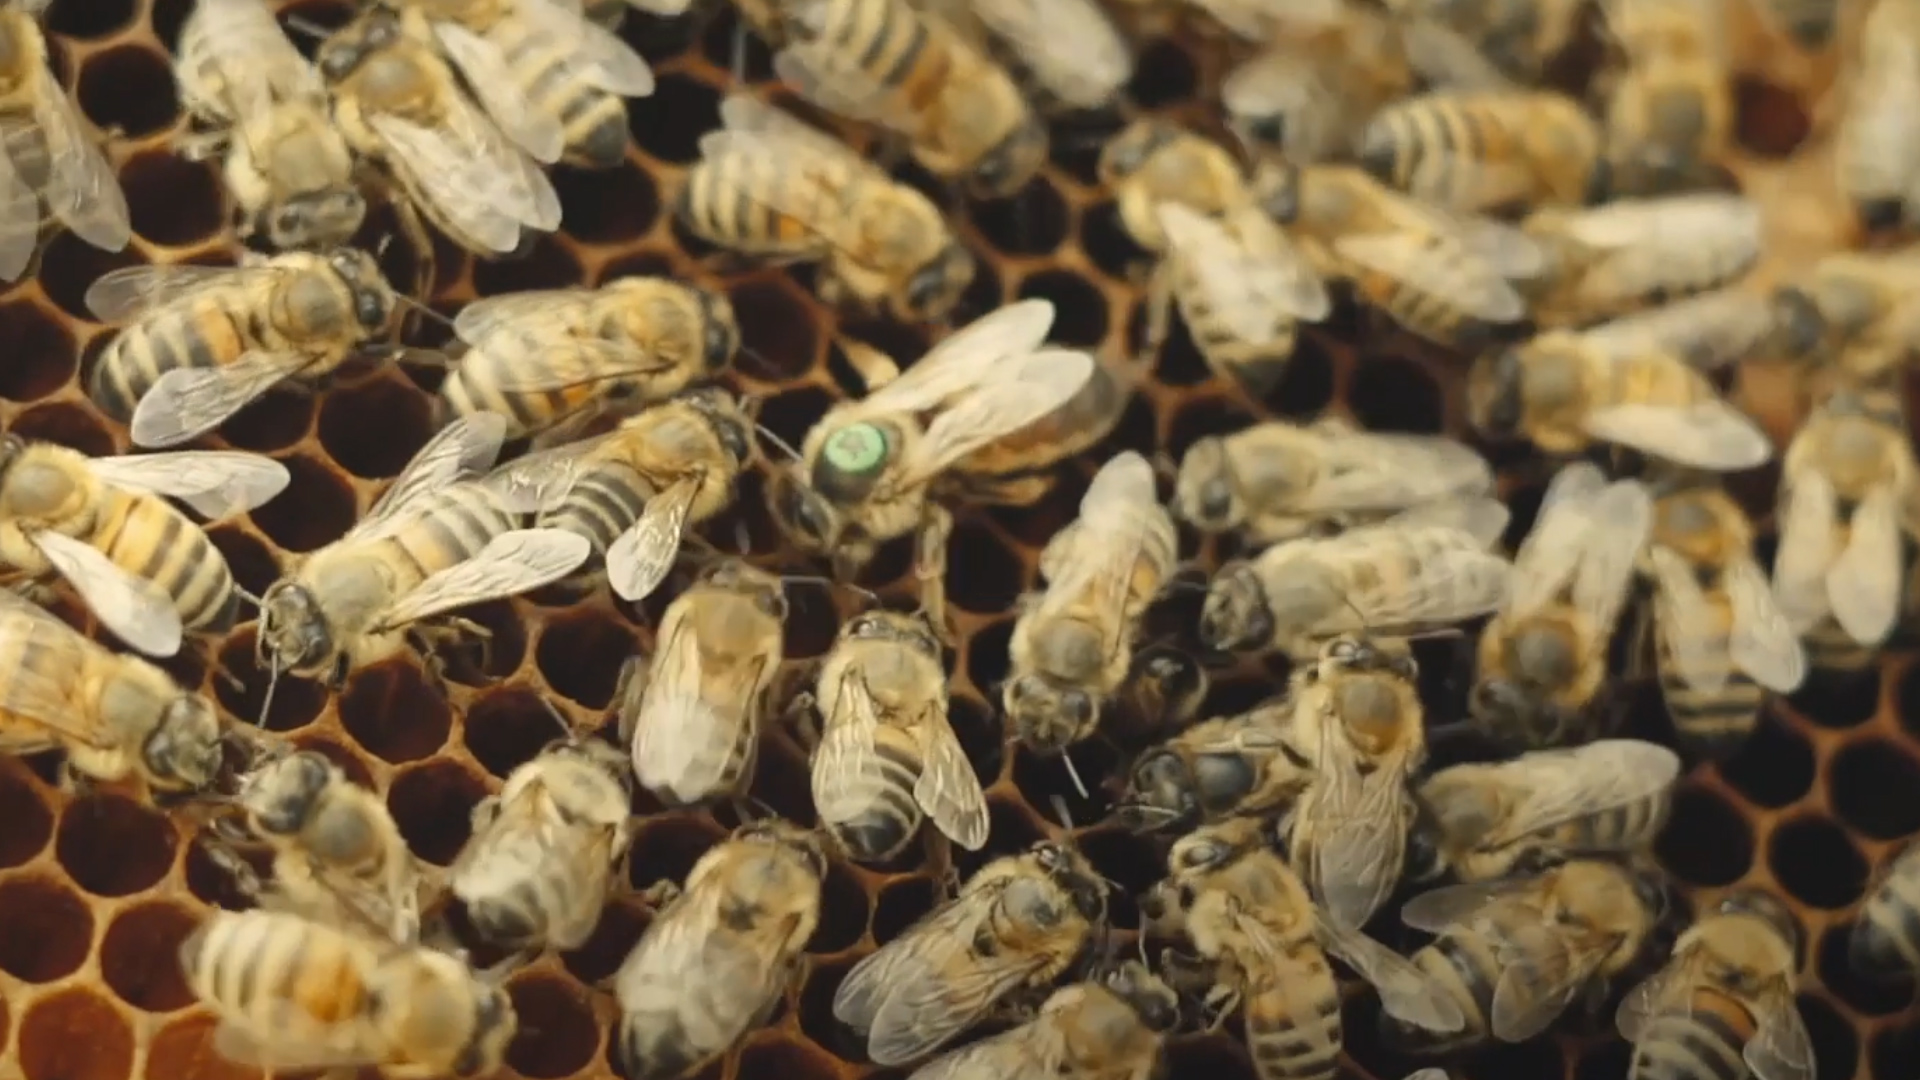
1080, 310
1033, 222
394, 712
69, 264
212, 884
669, 125
185, 1048
1837, 699
1047, 781
787, 1058
42, 353
276, 420
1894, 1051
49, 929
987, 657
1872, 784
171, 201
1206, 1057
1393, 393
557, 1034
111, 845
843, 911
1203, 419
1163, 74
1870, 996
779, 334
140, 956
1816, 862
813, 623
983, 575
316, 508
129, 89
507, 727
1130, 864
606, 206
782, 780
1706, 841
253, 565
902, 902
1307, 388
372, 429
102, 19
613, 938
480, 659
296, 702
815, 1010
433, 805
580, 654
979, 730
1774, 767
1769, 122
666, 847
549, 265
74, 1035
1105, 240
29, 820
66, 425
1836, 1046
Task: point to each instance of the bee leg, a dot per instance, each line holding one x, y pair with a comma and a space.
930, 566
801, 719
1159, 309
425, 268
75, 783
200, 145
1222, 1002
660, 894
245, 878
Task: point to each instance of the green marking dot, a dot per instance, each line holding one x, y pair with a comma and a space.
860, 448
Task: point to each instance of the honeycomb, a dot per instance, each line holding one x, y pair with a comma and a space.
98, 890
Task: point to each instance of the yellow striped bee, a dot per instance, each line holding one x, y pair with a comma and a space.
1070, 51
1105, 1029
1487, 149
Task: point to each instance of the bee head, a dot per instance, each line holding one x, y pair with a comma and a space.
1048, 714
731, 426
1496, 393
802, 513
1128, 152
343, 53
1002, 171
1235, 614
767, 592
315, 219
783, 834
1070, 870
933, 290
185, 747
293, 629
282, 798
1161, 793
1509, 709
1151, 999
1799, 326
373, 301
1769, 909
720, 330
1203, 492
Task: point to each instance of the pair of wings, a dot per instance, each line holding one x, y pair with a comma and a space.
1878, 143
1545, 789
1780, 1048
689, 719
1850, 570
1042, 1049
690, 938
1120, 520
552, 329
1645, 241
1246, 269
214, 483
1754, 634
1451, 576
1583, 546
1469, 260
1371, 472
528, 838
238, 47
1071, 48
1708, 331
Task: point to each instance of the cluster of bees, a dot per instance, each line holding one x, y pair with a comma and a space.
1402, 151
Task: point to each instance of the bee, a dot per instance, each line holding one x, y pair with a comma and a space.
290, 993
1472, 151
1877, 145
635, 491
115, 716
1609, 260
144, 568
1154, 161
551, 360
718, 955
1250, 919
888, 753
1072, 646
1163, 692
1245, 765
1724, 1005
1491, 820
438, 539
692, 716
1719, 633
1670, 112
871, 468
1854, 314
1512, 955
1277, 481
1882, 942
1069, 50
50, 156
536, 873
201, 342
1844, 486
1425, 567
909, 70
1543, 658
286, 164
1520, 37
1018, 923
1109, 1029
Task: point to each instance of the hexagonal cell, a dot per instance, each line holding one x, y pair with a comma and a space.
74, 1035
171, 201
771, 1054
557, 1034
1816, 862
779, 330
1012, 828
433, 805
1871, 784
1393, 393
984, 576
394, 711
581, 652
316, 509
549, 265
986, 657
813, 622
45, 352
1873, 997
607, 206
24, 808
1774, 767
129, 88
843, 911
68, 265
782, 780
276, 420
1706, 841
253, 565
49, 929
1080, 308
100, 20
1033, 222
1838, 699
185, 1048
665, 847
372, 429
1163, 74
113, 846
507, 727
140, 956
901, 903
1836, 1046
671, 123
613, 938
296, 702
1044, 778
815, 1010
66, 425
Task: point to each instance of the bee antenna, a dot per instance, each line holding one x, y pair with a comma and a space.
832, 583
1079, 785
273, 683
308, 27
760, 360
410, 303
1060, 807
566, 726
247, 596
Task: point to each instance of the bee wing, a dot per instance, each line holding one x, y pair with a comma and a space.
1764, 644
1446, 58
1033, 1051
801, 174
1673, 223
1706, 435
1558, 786
1367, 471
1071, 46
511, 563
491, 78
462, 448
1443, 909
1025, 390
186, 403
37, 694
682, 739
1119, 517
120, 295
970, 359
1359, 854
1709, 331
1437, 265
1808, 519
816, 71
540, 481
847, 749
483, 184
19, 221
690, 935
136, 610
1864, 583
239, 46
1618, 522
534, 315
1541, 973
81, 190
948, 789
215, 483
1688, 621
1667, 992
1781, 1048
639, 558
1506, 250
577, 361
743, 114
1406, 992
606, 60
1550, 555
288, 1039
1258, 288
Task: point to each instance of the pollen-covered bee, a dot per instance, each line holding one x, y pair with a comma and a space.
1017, 924
1719, 635
1109, 1029
720, 951
771, 187
147, 572
47, 154
115, 716
1474, 151
1877, 151
1512, 955
1072, 646
1245, 765
293, 994
1490, 820
692, 715
1844, 487
1883, 942
1855, 314
1263, 948
438, 539
1277, 481
1724, 1005
286, 165
201, 342
1543, 658
1423, 568
1670, 109
1611, 259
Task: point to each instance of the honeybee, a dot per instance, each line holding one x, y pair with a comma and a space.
1882, 942
1855, 314
635, 491
437, 539
1277, 481
115, 716
1512, 955
536, 873
1245, 765
772, 187
1670, 111
1425, 567
1847, 478
400, 106
1017, 924
1110, 1029
887, 753
201, 342
1543, 658
1165, 687
871, 468
1719, 634
1520, 37
1154, 161
905, 68
144, 568
1725, 1002
1069, 49
1708, 331
50, 156
719, 954
1490, 820
1611, 259
1472, 151
288, 168
291, 994
550, 360
1250, 918
1072, 647
1877, 151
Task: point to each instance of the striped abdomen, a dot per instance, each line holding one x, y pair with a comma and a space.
148, 538
1831, 648
1622, 828
730, 199
1395, 147
1714, 721
604, 502
267, 971
1430, 315
212, 329
1285, 1045
889, 43
31, 643
593, 120
459, 522
1256, 365
1705, 1045
520, 897
480, 382
1886, 935
1465, 968
873, 814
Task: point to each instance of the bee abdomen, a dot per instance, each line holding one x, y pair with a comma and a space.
462, 522
1702, 1047
657, 1047
602, 504
1714, 722
133, 361
1466, 969
1887, 936
475, 386
1284, 1046
1829, 648
892, 816
157, 543
594, 121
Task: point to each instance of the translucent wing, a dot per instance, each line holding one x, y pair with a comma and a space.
533, 314
39, 693
486, 69
1032, 1051
1709, 331
19, 221
969, 359
1618, 522
1257, 290
1554, 787
1438, 266
1541, 973
540, 481
484, 185
1119, 517
1024, 391
1369, 471
847, 750
1781, 1048
289, 1042
459, 450
817, 71
1446, 58
1764, 644
119, 295
1071, 46
1550, 555
186, 403
1361, 842
1675, 223
577, 361
1406, 992
1504, 249
238, 45
639, 558
1706, 435
803, 175
82, 190
948, 789
1689, 623
741, 114
682, 739
688, 936
510, 564
1665, 993
1809, 515
215, 483
1441, 910
606, 60
1864, 584
138, 612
